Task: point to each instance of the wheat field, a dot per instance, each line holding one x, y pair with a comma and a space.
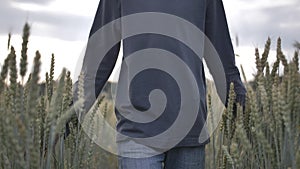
265, 135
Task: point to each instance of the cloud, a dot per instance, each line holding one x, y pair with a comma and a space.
252, 20
254, 24
43, 2
44, 21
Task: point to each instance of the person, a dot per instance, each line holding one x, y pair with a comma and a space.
209, 17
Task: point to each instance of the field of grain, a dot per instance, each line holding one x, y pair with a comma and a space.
265, 135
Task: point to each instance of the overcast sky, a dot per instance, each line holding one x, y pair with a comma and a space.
62, 26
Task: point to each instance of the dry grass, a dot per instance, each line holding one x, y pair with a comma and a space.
265, 135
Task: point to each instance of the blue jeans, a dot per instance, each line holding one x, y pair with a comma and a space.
175, 158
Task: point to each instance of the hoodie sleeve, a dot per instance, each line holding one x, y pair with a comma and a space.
96, 75
216, 29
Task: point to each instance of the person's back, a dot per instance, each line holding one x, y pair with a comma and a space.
161, 96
